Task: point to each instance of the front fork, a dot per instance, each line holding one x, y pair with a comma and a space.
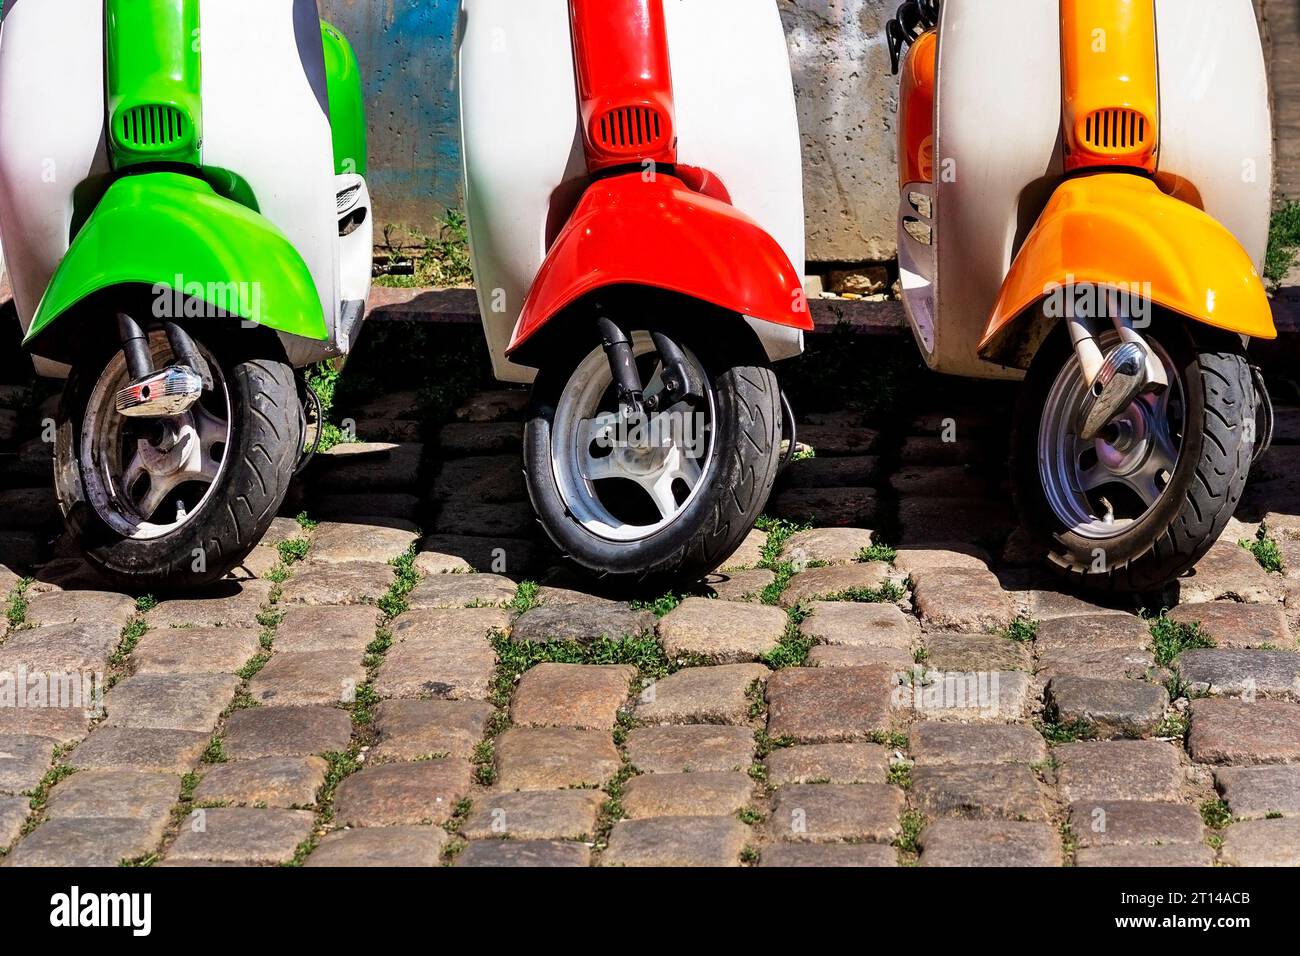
1120, 375
1114, 378
678, 381
163, 393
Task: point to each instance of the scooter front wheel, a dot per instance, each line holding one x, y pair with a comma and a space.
1135, 508
163, 504
660, 499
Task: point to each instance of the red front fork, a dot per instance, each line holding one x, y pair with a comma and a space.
625, 86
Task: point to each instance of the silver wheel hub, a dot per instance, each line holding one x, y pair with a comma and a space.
626, 477
1124, 448
144, 488
1100, 487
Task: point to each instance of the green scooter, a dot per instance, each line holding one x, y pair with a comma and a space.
185, 223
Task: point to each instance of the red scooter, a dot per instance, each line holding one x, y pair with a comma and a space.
634, 188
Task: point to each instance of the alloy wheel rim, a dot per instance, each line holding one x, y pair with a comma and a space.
143, 489
1099, 489
603, 463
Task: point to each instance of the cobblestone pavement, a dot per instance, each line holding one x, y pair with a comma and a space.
360, 694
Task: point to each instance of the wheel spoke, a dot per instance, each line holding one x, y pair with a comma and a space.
661, 492
159, 488
135, 469
595, 469
1164, 456
601, 429
689, 470
211, 434
677, 467
1144, 485
1094, 477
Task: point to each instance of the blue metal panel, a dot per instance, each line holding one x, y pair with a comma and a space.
407, 53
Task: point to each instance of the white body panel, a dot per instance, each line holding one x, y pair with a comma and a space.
1216, 130
266, 116
524, 164
916, 263
736, 117
996, 161
356, 257
52, 131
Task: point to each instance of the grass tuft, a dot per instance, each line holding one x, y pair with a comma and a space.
910, 825
292, 550
394, 602
514, 658
1172, 726
1215, 814
441, 260
662, 606
793, 648
16, 611
900, 775
887, 593
525, 598
1022, 630
1283, 242
1266, 552
1170, 638
878, 552
1058, 732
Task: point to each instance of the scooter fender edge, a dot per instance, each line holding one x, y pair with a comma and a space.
347, 103
172, 233
1118, 231
656, 232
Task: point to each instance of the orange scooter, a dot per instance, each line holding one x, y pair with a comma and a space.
1088, 212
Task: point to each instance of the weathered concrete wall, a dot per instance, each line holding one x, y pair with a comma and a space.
407, 53
1280, 25
847, 101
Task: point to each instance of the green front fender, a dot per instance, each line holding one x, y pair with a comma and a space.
192, 247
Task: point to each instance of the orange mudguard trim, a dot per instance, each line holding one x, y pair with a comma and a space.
629, 231
916, 112
1119, 231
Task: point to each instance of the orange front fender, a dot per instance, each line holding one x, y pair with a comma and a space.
1119, 231
628, 230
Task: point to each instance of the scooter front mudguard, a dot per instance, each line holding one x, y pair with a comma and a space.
173, 234
630, 230
1119, 231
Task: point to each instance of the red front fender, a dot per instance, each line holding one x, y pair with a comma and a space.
627, 231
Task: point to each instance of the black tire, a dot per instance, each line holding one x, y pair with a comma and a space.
1202, 493
745, 461
265, 444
